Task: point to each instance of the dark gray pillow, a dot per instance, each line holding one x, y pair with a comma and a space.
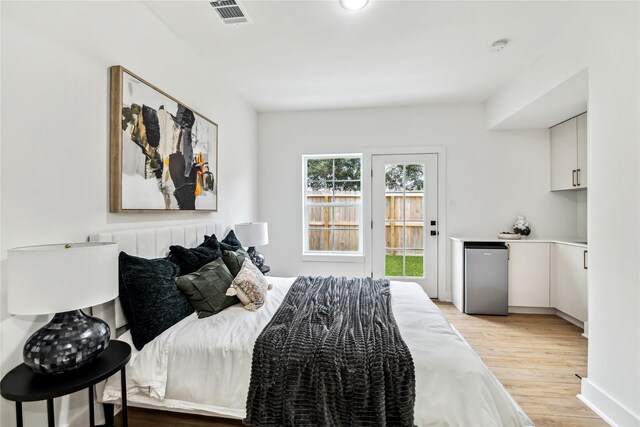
149, 296
234, 259
191, 259
206, 288
230, 242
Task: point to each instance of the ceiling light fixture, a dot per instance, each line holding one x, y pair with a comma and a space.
353, 5
498, 45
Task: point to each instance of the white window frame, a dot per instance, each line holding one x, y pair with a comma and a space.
332, 256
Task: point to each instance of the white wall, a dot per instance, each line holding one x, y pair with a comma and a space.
490, 176
581, 198
54, 153
612, 386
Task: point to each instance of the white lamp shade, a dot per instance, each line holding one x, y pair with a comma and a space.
63, 277
253, 233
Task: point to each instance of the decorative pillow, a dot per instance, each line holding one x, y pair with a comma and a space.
210, 242
234, 259
149, 296
189, 260
206, 288
250, 286
230, 242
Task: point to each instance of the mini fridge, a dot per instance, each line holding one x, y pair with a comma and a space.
486, 278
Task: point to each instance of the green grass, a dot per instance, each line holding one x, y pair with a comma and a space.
393, 266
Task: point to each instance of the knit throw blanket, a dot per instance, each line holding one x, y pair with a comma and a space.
332, 356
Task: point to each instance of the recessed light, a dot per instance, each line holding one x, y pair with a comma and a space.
354, 4
498, 45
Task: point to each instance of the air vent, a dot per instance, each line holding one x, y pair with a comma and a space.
230, 12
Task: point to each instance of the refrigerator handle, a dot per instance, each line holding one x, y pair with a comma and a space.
508, 252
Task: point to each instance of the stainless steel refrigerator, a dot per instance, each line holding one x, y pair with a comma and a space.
486, 278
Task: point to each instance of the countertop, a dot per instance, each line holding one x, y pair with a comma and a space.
572, 242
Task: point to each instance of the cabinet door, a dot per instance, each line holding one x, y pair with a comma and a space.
582, 150
529, 274
569, 280
562, 155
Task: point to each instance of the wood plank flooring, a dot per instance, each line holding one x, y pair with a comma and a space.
535, 356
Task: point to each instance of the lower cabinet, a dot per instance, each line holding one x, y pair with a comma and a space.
529, 274
569, 280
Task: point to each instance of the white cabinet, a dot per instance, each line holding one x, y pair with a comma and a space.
568, 154
529, 274
569, 280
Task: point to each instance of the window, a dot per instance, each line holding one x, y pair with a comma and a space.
332, 213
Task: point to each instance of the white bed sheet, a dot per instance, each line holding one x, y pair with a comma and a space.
205, 364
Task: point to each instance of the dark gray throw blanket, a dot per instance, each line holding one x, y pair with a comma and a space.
332, 356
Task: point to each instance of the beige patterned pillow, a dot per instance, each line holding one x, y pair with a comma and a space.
250, 286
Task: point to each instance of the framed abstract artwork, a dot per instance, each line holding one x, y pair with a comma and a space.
164, 155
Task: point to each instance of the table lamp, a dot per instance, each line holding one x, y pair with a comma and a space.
63, 279
253, 234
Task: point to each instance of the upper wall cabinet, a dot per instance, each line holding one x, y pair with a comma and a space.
568, 154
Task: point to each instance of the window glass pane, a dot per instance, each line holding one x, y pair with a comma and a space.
320, 169
320, 240
346, 216
348, 187
393, 264
321, 195
414, 177
414, 235
413, 206
347, 239
394, 235
394, 206
319, 217
394, 177
414, 263
348, 169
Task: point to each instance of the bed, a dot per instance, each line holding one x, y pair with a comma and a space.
204, 365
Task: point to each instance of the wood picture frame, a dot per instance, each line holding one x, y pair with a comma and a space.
163, 154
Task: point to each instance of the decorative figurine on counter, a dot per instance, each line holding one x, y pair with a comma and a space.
522, 226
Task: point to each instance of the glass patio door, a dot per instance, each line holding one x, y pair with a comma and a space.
404, 214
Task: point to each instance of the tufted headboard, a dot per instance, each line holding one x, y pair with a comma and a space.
146, 243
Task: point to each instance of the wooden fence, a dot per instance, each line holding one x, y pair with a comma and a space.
340, 223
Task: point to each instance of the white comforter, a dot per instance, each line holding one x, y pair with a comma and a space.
205, 364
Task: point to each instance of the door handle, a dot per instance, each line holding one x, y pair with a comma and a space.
578, 175
584, 260
573, 177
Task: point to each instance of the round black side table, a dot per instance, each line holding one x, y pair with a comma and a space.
265, 269
21, 384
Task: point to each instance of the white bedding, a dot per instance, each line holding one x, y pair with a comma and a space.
205, 364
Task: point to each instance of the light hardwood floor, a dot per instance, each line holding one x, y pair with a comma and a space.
536, 357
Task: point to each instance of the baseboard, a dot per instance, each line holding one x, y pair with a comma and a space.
532, 310
570, 319
608, 408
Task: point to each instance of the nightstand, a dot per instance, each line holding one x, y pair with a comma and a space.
21, 384
265, 269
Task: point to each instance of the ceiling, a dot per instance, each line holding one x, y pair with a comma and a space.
301, 54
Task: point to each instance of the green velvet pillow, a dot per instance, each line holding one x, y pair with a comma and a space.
234, 259
206, 288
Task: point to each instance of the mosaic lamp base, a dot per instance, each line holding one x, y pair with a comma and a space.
256, 257
69, 341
